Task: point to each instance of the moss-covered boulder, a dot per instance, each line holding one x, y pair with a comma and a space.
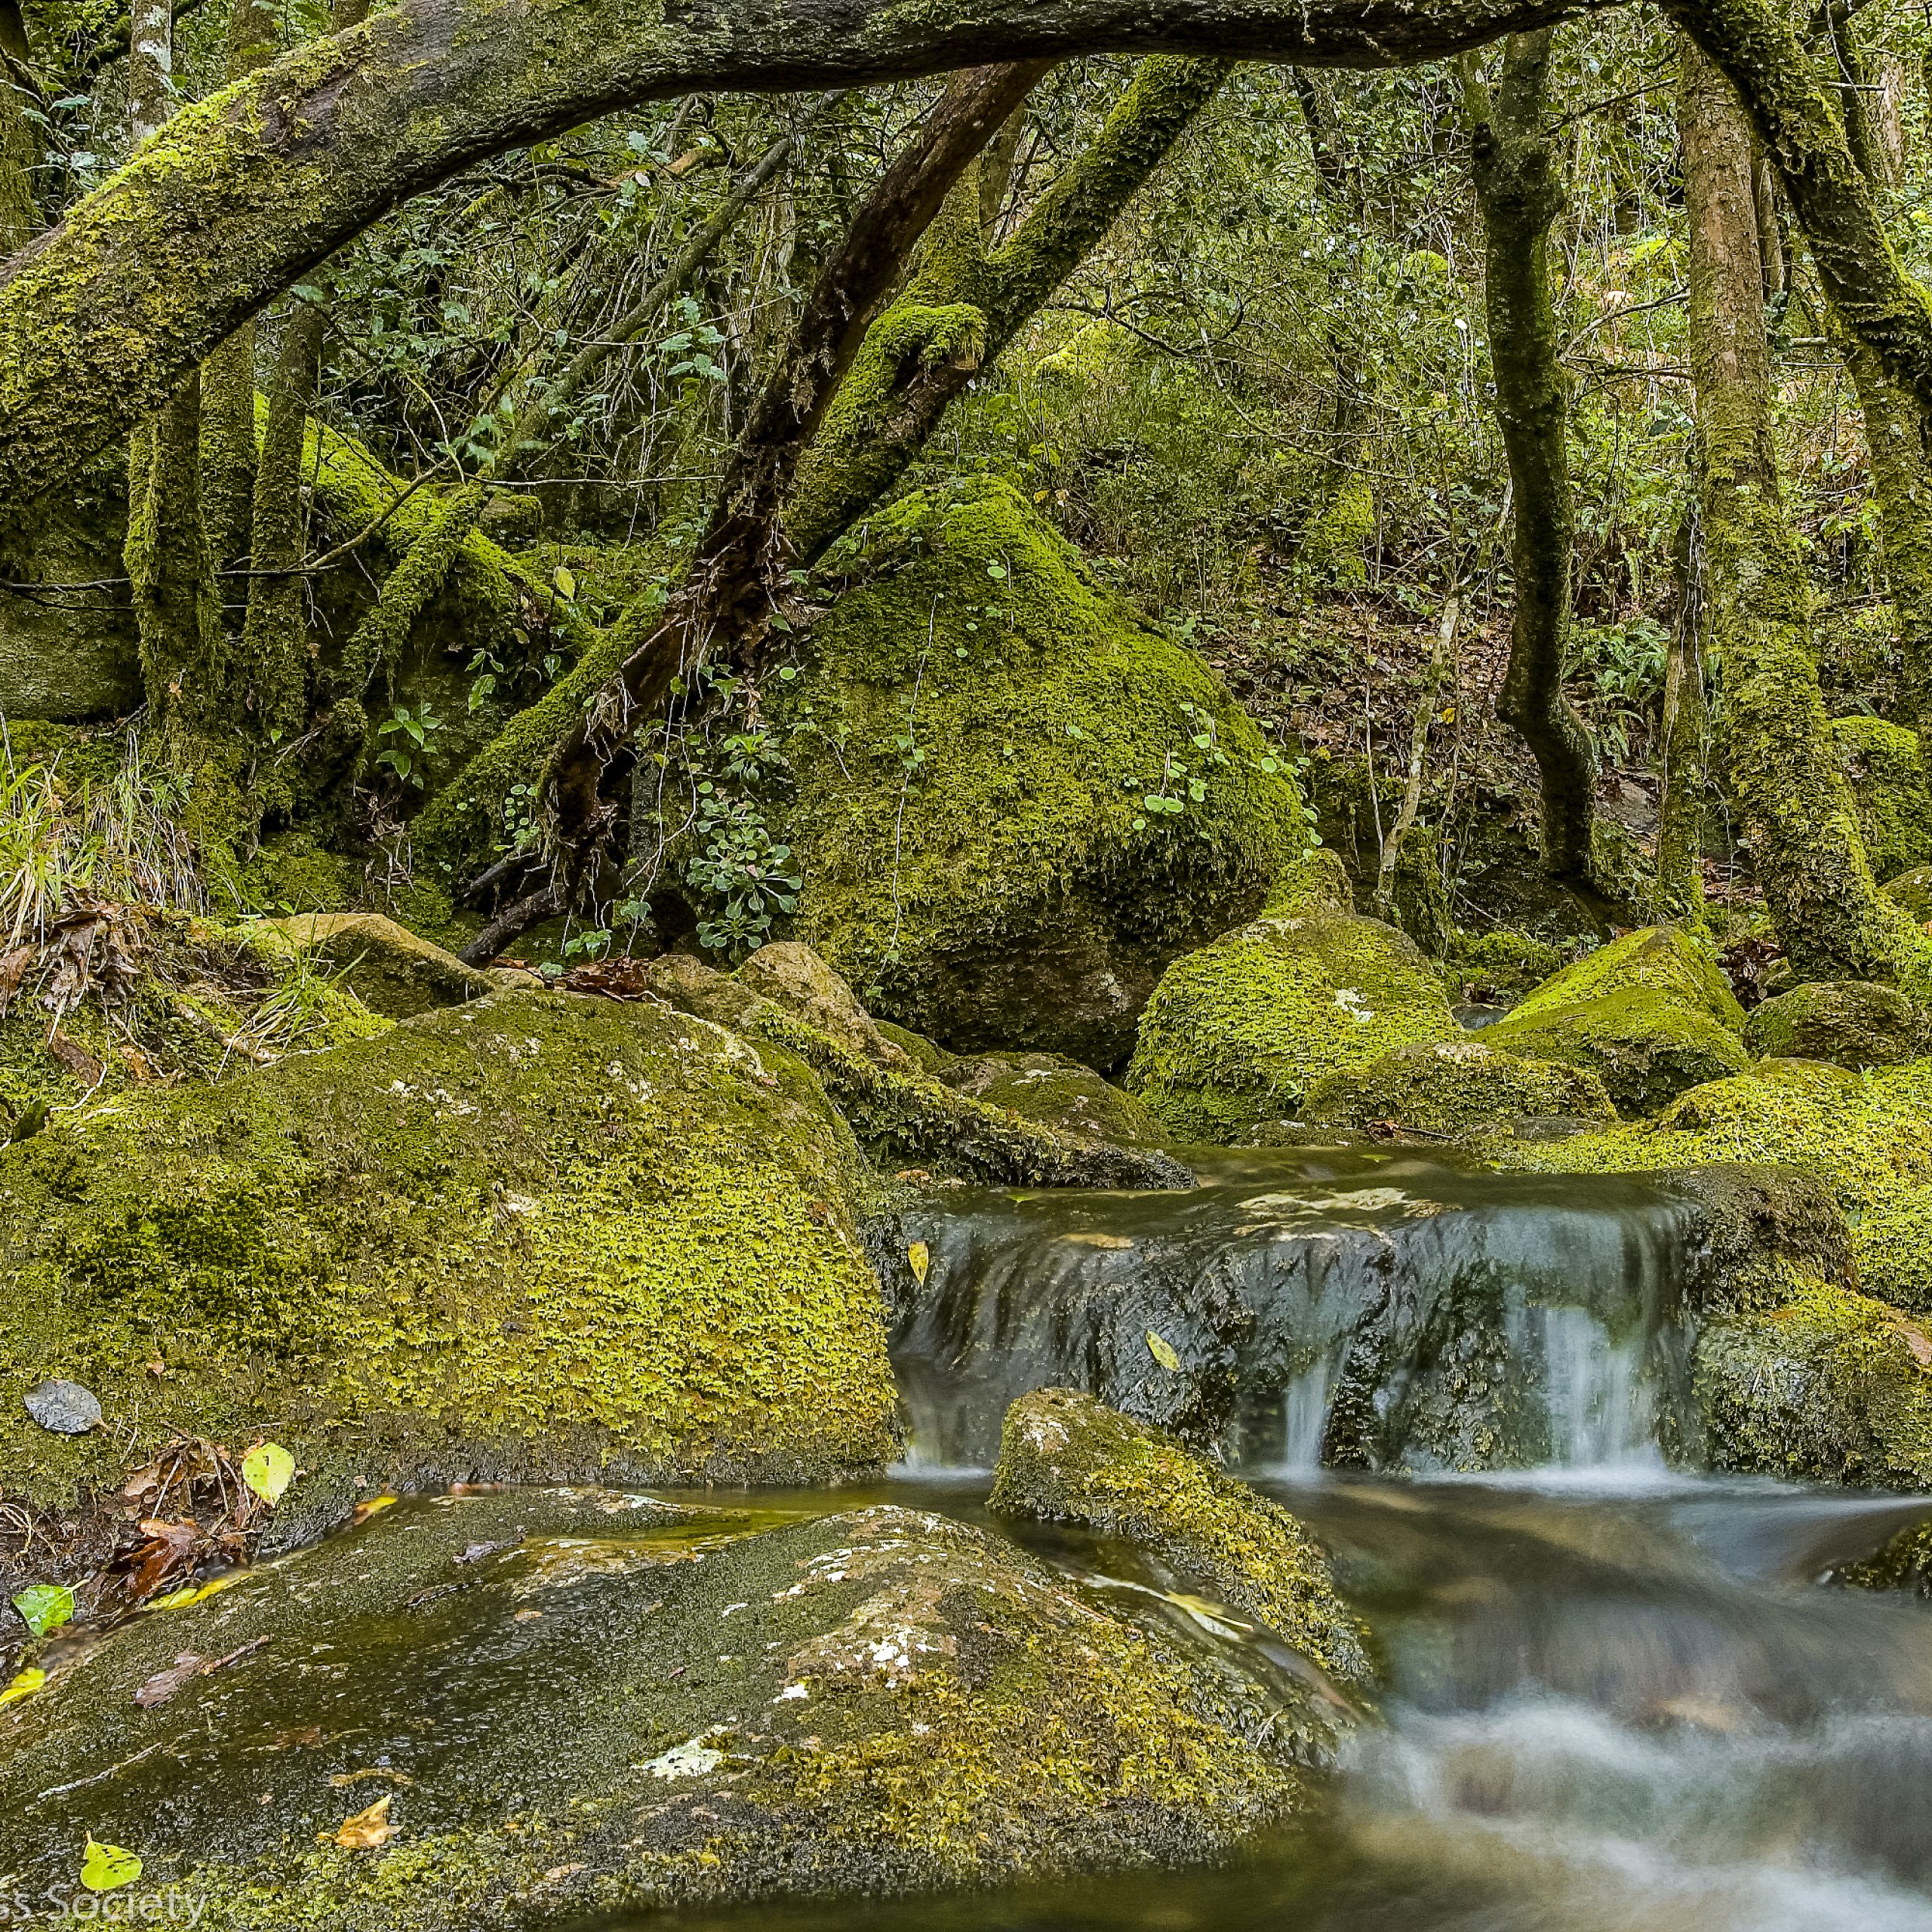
1058, 1093
1065, 1458
1913, 891
1650, 1013
1831, 1387
1015, 802
1851, 1022
524, 1699
898, 1109
539, 1233
1237, 1034
1888, 788
1450, 1086
1868, 1140
794, 976
388, 968
1500, 967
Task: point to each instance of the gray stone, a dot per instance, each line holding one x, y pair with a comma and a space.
63, 1408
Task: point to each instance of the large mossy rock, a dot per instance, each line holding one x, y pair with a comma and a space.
388, 968
541, 1232
1868, 1140
1058, 1093
536, 1684
1852, 1023
1237, 1034
1451, 1086
1651, 1014
1065, 1458
1888, 789
1831, 1386
979, 728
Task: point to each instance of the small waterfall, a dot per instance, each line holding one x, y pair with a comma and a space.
1374, 1309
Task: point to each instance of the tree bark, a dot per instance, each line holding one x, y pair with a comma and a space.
737, 569
1520, 199
20, 146
1828, 914
1681, 806
101, 318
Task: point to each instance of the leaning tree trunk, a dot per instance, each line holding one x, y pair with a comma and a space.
1828, 914
1520, 198
736, 572
967, 302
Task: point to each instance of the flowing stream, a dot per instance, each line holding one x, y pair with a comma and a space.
1621, 1695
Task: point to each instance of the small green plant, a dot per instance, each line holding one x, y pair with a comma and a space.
409, 728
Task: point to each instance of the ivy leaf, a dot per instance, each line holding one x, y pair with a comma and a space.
268, 1469
108, 1868
46, 1607
1161, 1351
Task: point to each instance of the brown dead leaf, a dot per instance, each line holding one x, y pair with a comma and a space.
75, 1059
169, 1547
368, 1829
138, 1063
12, 969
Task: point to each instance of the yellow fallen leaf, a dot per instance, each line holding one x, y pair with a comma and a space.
107, 1868
181, 1599
374, 1506
1162, 1351
268, 1469
921, 1257
24, 1685
369, 1828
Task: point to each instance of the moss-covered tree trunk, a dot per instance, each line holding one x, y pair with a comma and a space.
1521, 197
170, 580
969, 299
228, 383
1895, 433
19, 144
1828, 914
1680, 881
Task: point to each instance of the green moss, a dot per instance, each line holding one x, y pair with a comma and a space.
1830, 1387
1912, 893
1065, 1457
1500, 966
1882, 764
295, 874
552, 1229
1237, 1034
1060, 1094
979, 728
1334, 545
1869, 1138
1449, 1086
389, 968
1651, 1014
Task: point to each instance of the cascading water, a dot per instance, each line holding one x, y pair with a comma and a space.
1377, 1310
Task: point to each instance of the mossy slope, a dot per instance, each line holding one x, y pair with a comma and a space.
978, 727
902, 1702
1237, 1034
540, 1231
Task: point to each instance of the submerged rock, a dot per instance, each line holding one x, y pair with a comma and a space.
1065, 1458
1237, 1034
388, 968
538, 1232
1650, 1013
1450, 1086
1012, 885
1851, 1022
575, 1704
